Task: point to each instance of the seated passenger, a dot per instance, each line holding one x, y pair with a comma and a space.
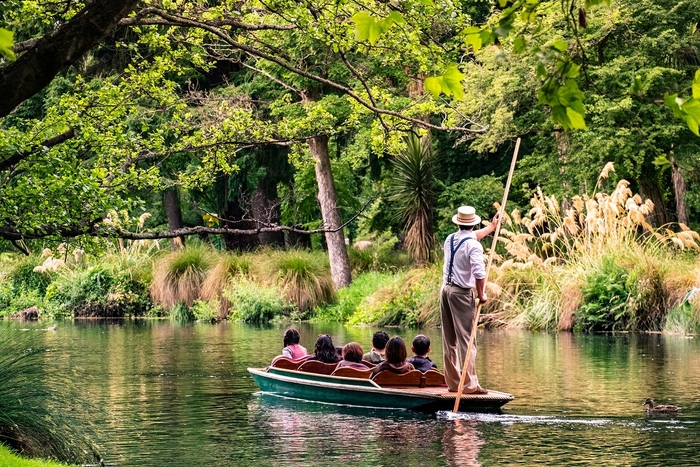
292, 349
420, 360
395, 358
379, 341
324, 350
352, 356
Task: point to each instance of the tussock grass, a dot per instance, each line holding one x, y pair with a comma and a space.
303, 276
32, 420
178, 276
222, 273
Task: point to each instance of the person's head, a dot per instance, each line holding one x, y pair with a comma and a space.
291, 337
352, 352
395, 351
324, 349
379, 340
466, 218
421, 345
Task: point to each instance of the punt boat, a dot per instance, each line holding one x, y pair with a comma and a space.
422, 392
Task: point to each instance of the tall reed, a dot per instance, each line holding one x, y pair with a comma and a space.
598, 263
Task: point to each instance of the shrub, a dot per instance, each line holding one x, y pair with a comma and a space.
382, 255
255, 304
178, 276
205, 311
411, 298
605, 296
349, 298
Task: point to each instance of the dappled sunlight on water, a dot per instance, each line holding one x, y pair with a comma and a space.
169, 395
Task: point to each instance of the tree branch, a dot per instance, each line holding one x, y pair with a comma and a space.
19, 156
57, 50
174, 20
98, 229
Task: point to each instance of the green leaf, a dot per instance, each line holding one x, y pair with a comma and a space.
362, 21
433, 85
518, 45
502, 3
452, 82
662, 162
395, 17
473, 38
572, 71
560, 116
577, 120
6, 44
559, 45
696, 85
671, 101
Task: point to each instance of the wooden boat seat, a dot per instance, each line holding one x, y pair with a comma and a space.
287, 363
412, 378
350, 372
314, 366
434, 378
368, 364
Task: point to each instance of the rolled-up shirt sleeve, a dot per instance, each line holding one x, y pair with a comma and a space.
476, 259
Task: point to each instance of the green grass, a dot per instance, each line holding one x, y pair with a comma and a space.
9, 459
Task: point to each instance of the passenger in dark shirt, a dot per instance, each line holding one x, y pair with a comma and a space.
420, 360
395, 358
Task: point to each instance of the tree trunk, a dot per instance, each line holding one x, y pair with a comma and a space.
680, 188
327, 198
58, 50
266, 214
650, 189
233, 216
171, 203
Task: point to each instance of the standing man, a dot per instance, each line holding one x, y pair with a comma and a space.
464, 278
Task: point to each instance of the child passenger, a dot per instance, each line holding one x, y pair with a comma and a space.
292, 349
420, 360
324, 350
352, 356
395, 358
379, 341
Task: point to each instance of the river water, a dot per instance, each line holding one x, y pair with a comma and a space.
180, 396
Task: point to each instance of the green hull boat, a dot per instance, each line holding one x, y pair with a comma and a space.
366, 393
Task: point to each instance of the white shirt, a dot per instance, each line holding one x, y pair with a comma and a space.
468, 265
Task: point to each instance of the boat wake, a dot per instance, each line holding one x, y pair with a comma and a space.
510, 419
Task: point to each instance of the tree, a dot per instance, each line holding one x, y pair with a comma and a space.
412, 195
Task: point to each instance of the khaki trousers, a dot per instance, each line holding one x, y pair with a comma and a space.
457, 309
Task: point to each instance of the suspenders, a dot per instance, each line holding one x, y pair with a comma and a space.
454, 250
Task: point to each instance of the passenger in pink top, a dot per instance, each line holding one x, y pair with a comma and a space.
292, 349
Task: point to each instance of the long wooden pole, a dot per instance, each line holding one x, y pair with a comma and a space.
472, 337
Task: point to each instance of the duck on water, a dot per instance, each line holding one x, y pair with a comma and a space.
653, 408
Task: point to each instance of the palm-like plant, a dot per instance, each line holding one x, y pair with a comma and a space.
411, 189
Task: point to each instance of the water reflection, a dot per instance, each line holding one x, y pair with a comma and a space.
180, 396
462, 441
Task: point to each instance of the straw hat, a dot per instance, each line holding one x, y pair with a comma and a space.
466, 215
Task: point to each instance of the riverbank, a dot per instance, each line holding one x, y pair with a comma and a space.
596, 265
